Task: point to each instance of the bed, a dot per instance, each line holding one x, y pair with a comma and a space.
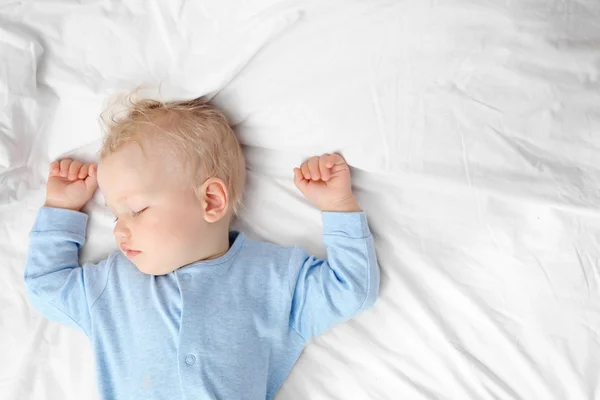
473, 132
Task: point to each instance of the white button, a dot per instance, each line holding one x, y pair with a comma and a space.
186, 277
190, 359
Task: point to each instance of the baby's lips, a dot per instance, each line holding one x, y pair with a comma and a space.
126, 248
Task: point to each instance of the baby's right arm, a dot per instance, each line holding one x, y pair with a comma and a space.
57, 286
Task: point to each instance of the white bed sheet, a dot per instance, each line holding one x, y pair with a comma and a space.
473, 129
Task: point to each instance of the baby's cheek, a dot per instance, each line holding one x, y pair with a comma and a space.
168, 233
152, 232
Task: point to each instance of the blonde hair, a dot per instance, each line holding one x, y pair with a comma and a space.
196, 130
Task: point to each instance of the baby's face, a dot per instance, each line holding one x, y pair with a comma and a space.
159, 219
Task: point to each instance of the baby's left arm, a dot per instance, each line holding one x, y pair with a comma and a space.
326, 292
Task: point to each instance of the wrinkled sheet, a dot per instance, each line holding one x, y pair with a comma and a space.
473, 130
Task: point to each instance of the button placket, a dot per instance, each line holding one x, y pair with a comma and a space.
190, 359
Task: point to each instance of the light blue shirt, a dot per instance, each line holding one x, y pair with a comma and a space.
227, 328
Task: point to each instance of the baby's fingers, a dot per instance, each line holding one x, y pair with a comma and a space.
313, 167
74, 169
83, 171
91, 182
54, 168
304, 170
64, 165
299, 179
323, 168
334, 159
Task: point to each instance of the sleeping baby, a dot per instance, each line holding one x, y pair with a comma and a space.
188, 308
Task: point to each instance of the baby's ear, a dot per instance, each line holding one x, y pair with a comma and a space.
215, 199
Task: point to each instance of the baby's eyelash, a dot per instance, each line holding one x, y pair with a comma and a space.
135, 214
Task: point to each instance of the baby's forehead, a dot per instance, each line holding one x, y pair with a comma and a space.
148, 163
140, 153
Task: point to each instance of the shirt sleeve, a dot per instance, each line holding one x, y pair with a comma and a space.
57, 285
326, 292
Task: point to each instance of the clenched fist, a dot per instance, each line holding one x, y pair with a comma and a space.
71, 184
325, 182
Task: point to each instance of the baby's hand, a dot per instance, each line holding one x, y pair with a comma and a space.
71, 184
325, 181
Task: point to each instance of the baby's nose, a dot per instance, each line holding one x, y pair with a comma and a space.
121, 231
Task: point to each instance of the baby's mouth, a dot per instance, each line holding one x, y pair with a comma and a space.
130, 253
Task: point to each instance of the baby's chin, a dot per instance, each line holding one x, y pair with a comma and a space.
153, 270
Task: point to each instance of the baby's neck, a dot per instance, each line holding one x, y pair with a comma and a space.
221, 253
215, 247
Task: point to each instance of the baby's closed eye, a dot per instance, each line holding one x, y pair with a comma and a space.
134, 213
